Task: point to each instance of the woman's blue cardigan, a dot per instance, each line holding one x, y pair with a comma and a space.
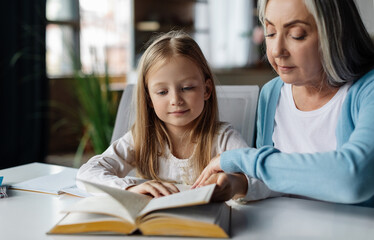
345, 175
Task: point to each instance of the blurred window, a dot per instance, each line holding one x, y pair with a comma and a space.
224, 31
87, 35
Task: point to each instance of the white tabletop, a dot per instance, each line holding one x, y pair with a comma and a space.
29, 215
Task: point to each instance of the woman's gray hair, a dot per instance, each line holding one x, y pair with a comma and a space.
347, 51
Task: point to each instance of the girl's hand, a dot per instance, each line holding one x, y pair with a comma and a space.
212, 168
154, 188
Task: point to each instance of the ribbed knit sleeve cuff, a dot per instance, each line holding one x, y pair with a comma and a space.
231, 161
246, 160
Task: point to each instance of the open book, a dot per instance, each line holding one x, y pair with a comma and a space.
186, 213
58, 183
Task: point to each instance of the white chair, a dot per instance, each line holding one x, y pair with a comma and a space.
125, 113
236, 104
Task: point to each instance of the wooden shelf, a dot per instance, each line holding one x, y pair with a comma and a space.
151, 17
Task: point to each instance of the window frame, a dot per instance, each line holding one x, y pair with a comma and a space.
74, 24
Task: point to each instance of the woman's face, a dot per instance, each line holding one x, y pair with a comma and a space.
292, 42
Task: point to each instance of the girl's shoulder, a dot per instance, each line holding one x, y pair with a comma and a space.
225, 127
228, 137
126, 139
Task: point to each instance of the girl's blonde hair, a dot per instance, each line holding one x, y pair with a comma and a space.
149, 132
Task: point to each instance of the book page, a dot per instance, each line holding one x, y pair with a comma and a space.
208, 220
50, 183
203, 213
132, 202
100, 205
74, 218
185, 198
75, 191
91, 223
183, 187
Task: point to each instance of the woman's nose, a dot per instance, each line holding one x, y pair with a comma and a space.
279, 48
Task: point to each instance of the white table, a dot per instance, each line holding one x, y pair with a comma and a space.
27, 215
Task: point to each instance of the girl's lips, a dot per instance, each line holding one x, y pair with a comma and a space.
179, 112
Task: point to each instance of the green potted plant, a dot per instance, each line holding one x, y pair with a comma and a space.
97, 111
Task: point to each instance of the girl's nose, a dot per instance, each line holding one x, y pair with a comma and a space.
176, 99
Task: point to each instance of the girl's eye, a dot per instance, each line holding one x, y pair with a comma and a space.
186, 88
269, 35
162, 92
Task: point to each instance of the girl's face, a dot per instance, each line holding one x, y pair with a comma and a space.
178, 92
292, 42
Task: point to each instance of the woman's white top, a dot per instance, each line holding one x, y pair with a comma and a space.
306, 131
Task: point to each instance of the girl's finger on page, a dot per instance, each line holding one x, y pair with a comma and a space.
172, 188
153, 191
162, 188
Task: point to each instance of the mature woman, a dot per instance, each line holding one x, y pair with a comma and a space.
315, 127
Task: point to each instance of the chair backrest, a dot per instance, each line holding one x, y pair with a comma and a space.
125, 113
236, 104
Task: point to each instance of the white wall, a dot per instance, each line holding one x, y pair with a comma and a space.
366, 8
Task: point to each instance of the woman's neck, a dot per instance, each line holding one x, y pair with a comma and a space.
309, 98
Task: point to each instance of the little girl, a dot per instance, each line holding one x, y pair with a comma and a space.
176, 132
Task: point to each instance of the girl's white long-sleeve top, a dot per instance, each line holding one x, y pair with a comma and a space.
114, 164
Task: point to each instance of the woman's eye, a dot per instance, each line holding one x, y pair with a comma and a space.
270, 31
298, 34
299, 38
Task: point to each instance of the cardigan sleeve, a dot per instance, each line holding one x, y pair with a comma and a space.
112, 166
230, 139
344, 175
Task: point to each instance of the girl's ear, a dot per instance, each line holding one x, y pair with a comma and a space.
208, 89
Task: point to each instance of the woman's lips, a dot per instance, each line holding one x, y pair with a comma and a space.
285, 69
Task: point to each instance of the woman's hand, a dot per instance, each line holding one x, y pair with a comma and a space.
212, 168
228, 186
154, 188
